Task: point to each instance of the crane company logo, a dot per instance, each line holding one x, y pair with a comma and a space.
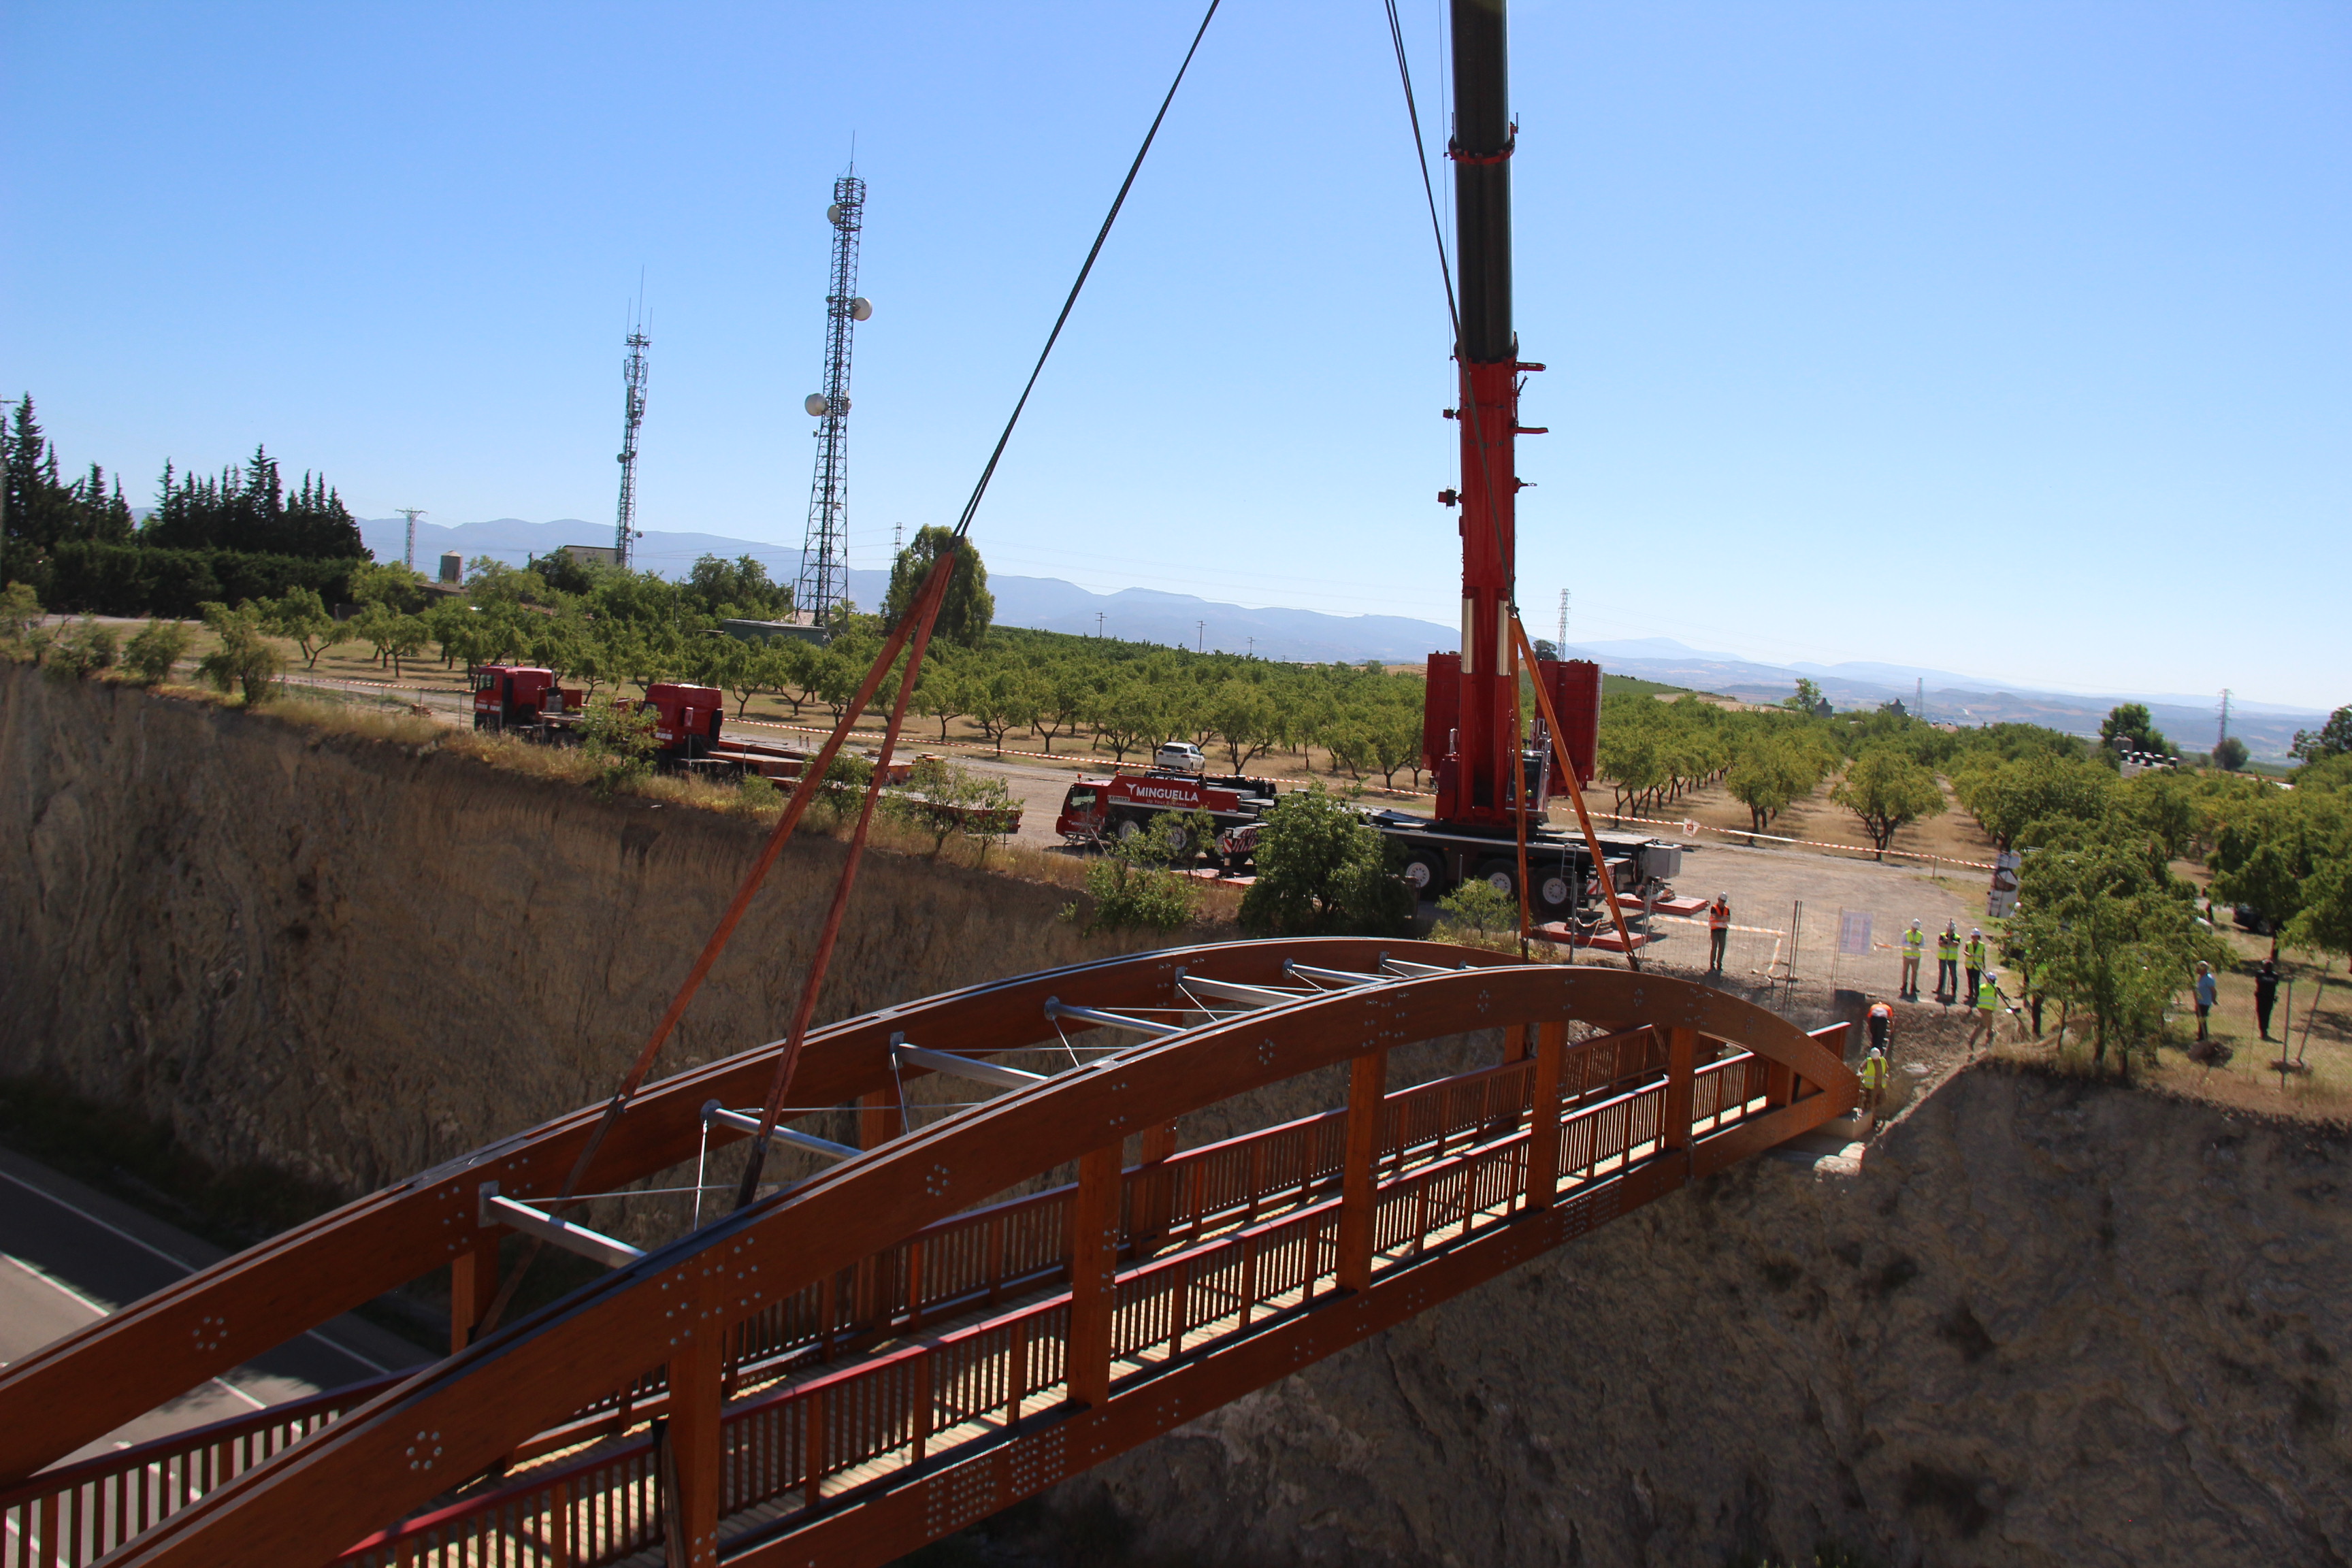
1159, 791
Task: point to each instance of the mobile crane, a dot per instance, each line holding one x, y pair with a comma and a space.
1468, 721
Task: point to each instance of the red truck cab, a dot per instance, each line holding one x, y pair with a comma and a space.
508, 696
686, 718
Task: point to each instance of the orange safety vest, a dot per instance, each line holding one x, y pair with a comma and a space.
1718, 917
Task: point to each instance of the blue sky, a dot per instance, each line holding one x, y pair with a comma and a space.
2006, 337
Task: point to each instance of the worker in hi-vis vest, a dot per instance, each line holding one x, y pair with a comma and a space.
1718, 932
1874, 1081
1987, 1007
1947, 963
1975, 959
1914, 948
1882, 1029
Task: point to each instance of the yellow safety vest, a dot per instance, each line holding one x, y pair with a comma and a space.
1873, 1072
1988, 995
1976, 954
1915, 942
1947, 946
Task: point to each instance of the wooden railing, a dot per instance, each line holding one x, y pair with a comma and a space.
833, 1431
79, 1512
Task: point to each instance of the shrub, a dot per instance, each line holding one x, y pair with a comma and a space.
618, 738
245, 661
20, 612
1476, 912
1322, 868
83, 651
153, 654
759, 792
1133, 889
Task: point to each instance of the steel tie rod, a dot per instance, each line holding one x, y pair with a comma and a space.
965, 1066
1249, 996
1334, 976
495, 1211
718, 1115
1057, 1008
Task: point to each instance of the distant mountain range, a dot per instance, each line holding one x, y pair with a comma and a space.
1147, 615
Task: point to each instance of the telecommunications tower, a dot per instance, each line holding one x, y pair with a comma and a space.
824, 553
408, 556
632, 380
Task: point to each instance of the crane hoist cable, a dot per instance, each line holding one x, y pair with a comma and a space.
923, 612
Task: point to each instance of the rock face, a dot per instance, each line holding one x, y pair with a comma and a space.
2048, 1323
351, 960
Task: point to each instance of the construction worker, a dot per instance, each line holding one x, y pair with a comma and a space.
1914, 948
1718, 932
1874, 1081
1947, 963
1988, 1006
1882, 1029
1976, 958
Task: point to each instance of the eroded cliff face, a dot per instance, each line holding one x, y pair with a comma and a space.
351, 960
2048, 1323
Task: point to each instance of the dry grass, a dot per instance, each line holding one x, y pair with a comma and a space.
320, 713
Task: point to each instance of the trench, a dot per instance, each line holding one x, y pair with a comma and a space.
2048, 1321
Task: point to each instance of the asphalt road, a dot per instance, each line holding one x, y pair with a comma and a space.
69, 1256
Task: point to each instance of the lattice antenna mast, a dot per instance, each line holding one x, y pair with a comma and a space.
412, 513
1562, 641
2225, 719
633, 414
824, 553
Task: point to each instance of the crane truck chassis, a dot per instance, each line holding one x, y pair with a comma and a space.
1433, 858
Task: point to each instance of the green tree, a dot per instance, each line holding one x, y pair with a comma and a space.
2130, 724
2110, 935
740, 589
1886, 791
1322, 868
300, 616
2230, 754
1125, 715
2007, 798
155, 651
2333, 739
1004, 701
1769, 772
1245, 720
2270, 851
245, 661
1392, 736
1806, 700
393, 585
968, 607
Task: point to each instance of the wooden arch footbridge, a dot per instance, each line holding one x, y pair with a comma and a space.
883, 1353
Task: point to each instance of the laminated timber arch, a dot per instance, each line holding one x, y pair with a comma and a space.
1019, 1343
